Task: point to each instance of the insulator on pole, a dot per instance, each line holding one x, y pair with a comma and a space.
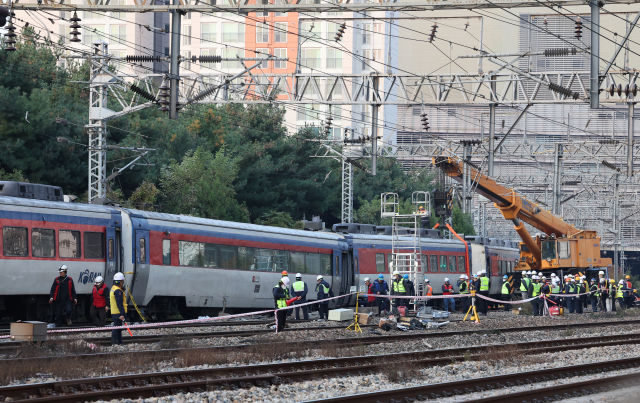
560, 52
164, 98
10, 38
425, 122
563, 91
434, 28
207, 59
340, 32
578, 34
143, 93
142, 58
74, 28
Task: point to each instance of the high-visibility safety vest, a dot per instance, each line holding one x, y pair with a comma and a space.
429, 290
282, 302
112, 298
572, 288
466, 288
505, 290
398, 286
484, 284
555, 289
524, 284
298, 286
619, 294
536, 289
595, 288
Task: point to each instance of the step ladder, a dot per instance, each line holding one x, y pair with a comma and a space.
406, 250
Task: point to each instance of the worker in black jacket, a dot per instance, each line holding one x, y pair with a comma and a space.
280, 297
63, 296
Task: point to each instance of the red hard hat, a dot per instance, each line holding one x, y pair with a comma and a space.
284, 273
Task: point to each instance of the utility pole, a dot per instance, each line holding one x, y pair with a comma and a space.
616, 227
347, 191
97, 127
630, 129
175, 67
374, 127
557, 175
492, 125
465, 175
595, 55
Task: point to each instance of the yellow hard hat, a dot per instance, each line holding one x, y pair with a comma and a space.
627, 277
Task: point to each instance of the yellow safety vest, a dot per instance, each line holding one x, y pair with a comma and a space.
298, 286
484, 284
555, 289
282, 303
619, 293
112, 299
466, 290
536, 289
524, 284
505, 290
398, 286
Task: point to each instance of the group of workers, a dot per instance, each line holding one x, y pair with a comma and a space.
62, 298
299, 290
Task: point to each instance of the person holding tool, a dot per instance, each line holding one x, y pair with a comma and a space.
118, 300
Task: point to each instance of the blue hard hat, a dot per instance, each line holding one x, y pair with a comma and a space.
505, 276
380, 276
593, 279
406, 277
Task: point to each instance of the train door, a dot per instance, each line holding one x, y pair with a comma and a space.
113, 251
141, 258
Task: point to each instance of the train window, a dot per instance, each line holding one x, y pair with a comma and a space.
110, 251
69, 244
337, 265
166, 251
443, 264
143, 251
209, 255
326, 265
296, 260
14, 241
461, 265
452, 264
93, 245
433, 264
43, 242
313, 263
228, 256
423, 263
380, 263
190, 254
246, 258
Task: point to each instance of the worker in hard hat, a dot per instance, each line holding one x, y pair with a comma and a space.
603, 289
613, 293
620, 294
484, 286
380, 287
525, 284
581, 288
299, 290
595, 294
570, 289
447, 292
411, 288
99, 308
369, 301
62, 296
628, 296
506, 292
536, 290
323, 290
601, 277
399, 288
463, 290
118, 302
280, 297
428, 291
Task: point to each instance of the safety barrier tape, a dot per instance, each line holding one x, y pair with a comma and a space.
181, 322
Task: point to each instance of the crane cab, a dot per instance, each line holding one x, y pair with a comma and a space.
579, 251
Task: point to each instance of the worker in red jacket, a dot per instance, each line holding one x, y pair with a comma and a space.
63, 296
370, 298
99, 308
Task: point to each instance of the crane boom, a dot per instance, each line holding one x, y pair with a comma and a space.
564, 246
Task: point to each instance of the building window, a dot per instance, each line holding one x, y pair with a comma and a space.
43, 242
366, 59
367, 38
207, 52
166, 252
280, 32
310, 58
93, 33
186, 64
263, 13
263, 53
262, 32
93, 245
281, 53
332, 30
14, 241
69, 244
122, 16
232, 32
231, 54
186, 35
311, 30
380, 267
334, 59
208, 32
280, 14
118, 33
377, 55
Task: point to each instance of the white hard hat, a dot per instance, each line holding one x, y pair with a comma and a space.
118, 277
99, 280
446, 279
553, 274
463, 276
539, 273
298, 275
544, 278
600, 272
426, 280
63, 268
285, 280
366, 279
621, 282
396, 272
319, 277
535, 277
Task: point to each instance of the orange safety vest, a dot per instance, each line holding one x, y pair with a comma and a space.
429, 290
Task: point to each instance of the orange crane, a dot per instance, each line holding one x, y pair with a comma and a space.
561, 247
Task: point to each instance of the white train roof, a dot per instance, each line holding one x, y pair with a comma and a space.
46, 204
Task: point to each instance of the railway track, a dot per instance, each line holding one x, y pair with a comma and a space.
167, 383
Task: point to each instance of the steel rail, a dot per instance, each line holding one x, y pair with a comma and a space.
267, 374
443, 390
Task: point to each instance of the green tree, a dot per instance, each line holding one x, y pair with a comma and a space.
461, 222
13, 176
201, 185
279, 219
